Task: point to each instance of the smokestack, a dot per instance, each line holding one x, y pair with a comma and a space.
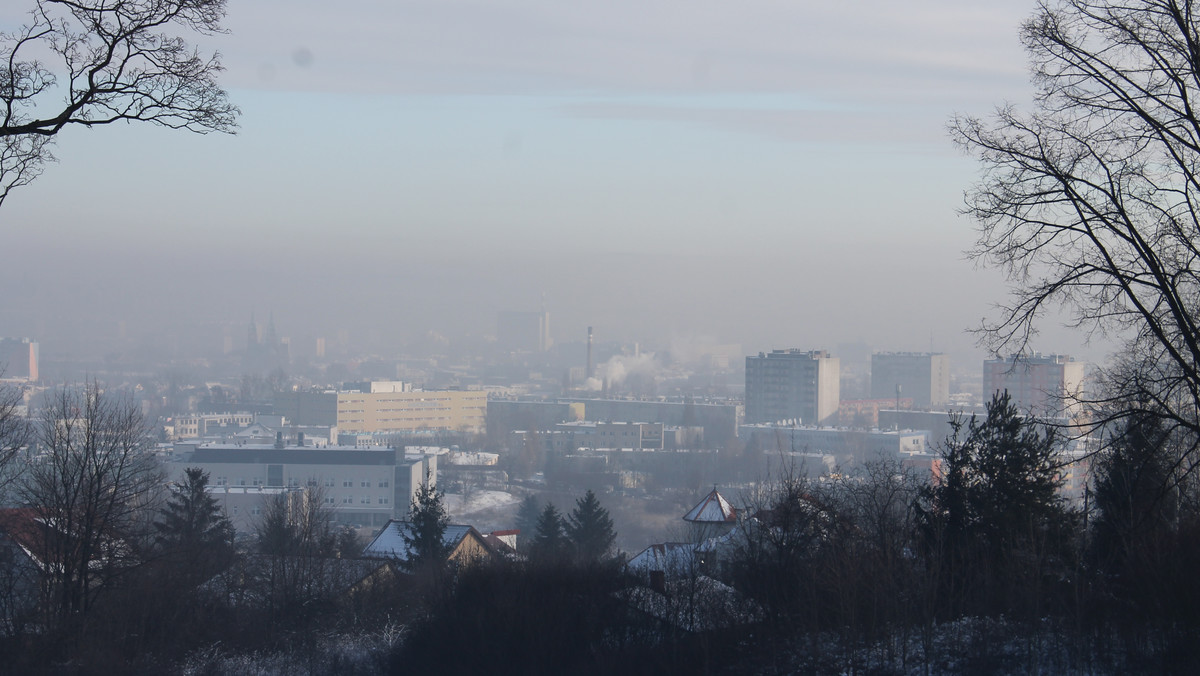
589, 362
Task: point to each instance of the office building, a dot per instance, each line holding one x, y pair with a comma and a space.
362, 486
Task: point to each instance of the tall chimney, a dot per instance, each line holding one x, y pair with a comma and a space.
589, 363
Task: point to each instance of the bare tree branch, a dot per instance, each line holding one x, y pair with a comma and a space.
115, 61
1090, 202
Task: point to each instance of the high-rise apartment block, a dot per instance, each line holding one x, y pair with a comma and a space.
18, 358
921, 376
791, 385
1045, 385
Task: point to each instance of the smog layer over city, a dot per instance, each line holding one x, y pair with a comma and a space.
542, 338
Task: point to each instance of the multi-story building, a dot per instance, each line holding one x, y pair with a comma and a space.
387, 409
384, 412
362, 486
1045, 385
587, 434
844, 444
506, 415
204, 424
792, 385
719, 419
18, 358
922, 376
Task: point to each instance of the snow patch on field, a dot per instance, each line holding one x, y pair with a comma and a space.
481, 501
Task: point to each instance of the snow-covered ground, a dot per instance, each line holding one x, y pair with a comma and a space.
481, 501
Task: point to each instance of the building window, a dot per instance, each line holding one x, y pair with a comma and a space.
329, 483
256, 511
257, 481
365, 501
347, 484
329, 501
347, 500
384, 484
241, 482
366, 484
383, 501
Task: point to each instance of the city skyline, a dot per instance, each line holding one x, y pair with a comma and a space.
772, 177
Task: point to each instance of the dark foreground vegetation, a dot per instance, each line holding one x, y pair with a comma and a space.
985, 571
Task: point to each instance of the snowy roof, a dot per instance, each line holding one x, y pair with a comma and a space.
390, 544
673, 558
696, 604
714, 508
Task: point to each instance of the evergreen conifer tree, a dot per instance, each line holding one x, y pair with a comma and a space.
192, 530
527, 516
994, 520
425, 536
590, 529
549, 539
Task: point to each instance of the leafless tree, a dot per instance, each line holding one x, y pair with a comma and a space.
297, 544
15, 433
105, 61
1092, 201
91, 485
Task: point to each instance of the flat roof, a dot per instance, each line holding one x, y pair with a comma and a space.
257, 455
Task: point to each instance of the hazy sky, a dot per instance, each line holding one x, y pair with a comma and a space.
775, 173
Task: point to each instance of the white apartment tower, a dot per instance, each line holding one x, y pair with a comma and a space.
791, 385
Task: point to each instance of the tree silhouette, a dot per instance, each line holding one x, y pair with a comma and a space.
590, 529
1091, 202
192, 532
549, 539
116, 61
994, 517
425, 537
90, 485
527, 516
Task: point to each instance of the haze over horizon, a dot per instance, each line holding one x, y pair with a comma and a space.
775, 176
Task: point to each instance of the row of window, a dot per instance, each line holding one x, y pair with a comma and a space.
295, 483
349, 500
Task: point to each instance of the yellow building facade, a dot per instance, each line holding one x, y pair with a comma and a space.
382, 412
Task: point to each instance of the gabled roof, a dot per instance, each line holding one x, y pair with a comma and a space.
714, 508
43, 540
676, 559
496, 543
255, 430
25, 528
390, 544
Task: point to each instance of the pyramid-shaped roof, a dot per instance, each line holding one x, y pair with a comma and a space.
714, 508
